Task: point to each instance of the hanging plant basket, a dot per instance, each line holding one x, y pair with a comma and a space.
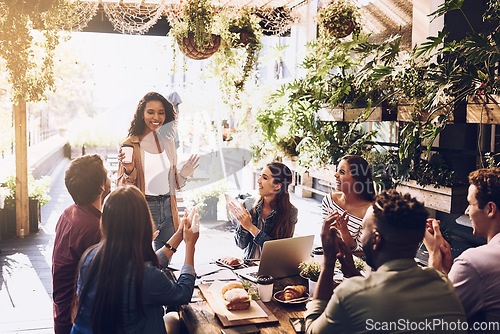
338, 19
244, 40
189, 48
341, 31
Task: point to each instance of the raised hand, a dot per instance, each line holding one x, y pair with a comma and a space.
191, 227
346, 260
329, 239
190, 166
438, 248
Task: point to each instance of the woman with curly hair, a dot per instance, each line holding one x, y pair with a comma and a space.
153, 168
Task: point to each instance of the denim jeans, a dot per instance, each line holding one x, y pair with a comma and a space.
161, 210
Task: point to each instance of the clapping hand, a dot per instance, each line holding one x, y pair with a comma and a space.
241, 214
438, 248
339, 220
190, 223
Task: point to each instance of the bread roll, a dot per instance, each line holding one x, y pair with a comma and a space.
230, 261
237, 299
294, 291
232, 285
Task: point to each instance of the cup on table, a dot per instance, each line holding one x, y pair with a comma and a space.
265, 284
318, 254
128, 150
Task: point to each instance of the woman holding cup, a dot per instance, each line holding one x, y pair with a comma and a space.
152, 166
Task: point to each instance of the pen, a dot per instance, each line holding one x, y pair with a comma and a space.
221, 279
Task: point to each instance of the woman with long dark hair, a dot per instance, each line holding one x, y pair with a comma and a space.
154, 162
273, 216
120, 287
354, 195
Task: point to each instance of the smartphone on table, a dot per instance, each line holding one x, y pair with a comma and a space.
299, 324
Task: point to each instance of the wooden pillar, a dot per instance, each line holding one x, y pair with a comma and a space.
21, 143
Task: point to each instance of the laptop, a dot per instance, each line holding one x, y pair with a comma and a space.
280, 258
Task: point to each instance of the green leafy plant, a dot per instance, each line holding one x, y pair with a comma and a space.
310, 270
38, 189
24, 27
338, 19
196, 17
197, 197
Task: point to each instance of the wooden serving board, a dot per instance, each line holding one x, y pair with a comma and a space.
219, 311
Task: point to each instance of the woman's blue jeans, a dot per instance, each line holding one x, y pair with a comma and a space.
161, 211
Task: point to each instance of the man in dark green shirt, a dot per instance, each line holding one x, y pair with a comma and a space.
398, 295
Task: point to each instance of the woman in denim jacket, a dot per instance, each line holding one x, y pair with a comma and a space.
273, 217
120, 287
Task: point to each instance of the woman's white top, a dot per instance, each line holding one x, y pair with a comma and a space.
156, 170
354, 224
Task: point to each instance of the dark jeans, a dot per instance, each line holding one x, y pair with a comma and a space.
161, 210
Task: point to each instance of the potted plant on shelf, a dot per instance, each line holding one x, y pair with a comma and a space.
310, 270
38, 193
338, 19
206, 199
193, 29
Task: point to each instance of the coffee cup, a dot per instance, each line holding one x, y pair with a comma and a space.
317, 253
128, 150
265, 284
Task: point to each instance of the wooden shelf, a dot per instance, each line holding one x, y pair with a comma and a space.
445, 199
484, 109
346, 113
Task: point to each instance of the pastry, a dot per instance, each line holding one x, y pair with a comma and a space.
237, 299
294, 292
232, 285
230, 261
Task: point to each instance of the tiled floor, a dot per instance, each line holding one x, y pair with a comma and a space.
25, 283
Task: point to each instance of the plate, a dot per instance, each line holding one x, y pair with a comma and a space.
279, 297
240, 263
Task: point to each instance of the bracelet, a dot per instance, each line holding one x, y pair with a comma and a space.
184, 178
128, 173
170, 247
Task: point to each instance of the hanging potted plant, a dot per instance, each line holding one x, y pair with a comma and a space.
338, 19
193, 30
246, 33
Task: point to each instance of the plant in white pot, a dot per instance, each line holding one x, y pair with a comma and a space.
310, 270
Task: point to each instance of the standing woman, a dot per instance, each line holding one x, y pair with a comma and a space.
355, 193
153, 168
120, 288
272, 217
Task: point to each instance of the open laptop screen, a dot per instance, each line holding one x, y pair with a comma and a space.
280, 258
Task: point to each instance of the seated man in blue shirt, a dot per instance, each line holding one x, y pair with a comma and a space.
398, 295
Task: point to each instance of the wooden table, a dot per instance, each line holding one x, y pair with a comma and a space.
199, 318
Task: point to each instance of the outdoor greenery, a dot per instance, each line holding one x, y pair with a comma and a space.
310, 270
31, 77
198, 196
432, 80
196, 17
37, 189
338, 19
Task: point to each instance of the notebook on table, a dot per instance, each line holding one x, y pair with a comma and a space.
280, 258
